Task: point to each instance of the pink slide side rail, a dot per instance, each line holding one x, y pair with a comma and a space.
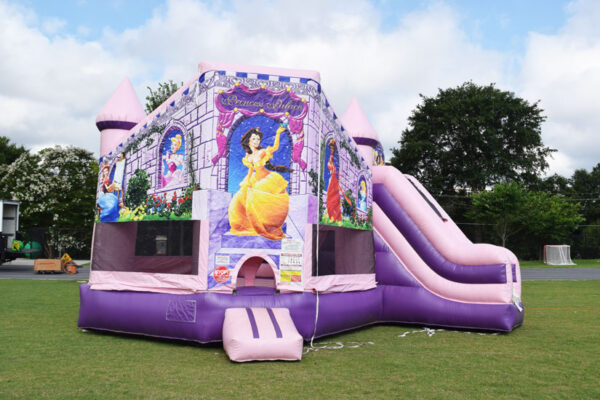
463, 292
454, 230
446, 236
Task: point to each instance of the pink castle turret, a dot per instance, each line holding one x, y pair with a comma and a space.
120, 113
357, 125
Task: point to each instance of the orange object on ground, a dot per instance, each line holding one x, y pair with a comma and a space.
70, 268
68, 265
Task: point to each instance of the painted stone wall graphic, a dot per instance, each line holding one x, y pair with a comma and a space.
258, 148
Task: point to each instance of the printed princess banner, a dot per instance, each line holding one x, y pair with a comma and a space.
255, 101
282, 105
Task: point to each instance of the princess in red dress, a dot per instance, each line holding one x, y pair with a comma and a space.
334, 209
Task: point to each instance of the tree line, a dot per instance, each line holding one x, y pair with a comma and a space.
479, 151
56, 188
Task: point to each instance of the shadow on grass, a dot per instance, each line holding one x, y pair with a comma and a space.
151, 339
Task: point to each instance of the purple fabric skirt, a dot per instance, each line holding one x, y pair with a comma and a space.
199, 317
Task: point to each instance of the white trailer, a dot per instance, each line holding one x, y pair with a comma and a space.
9, 225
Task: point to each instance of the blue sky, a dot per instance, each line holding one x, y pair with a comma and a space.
65, 58
497, 24
88, 18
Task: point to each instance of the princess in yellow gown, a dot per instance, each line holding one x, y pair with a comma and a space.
261, 205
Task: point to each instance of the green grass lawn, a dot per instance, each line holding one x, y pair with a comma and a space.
594, 263
555, 354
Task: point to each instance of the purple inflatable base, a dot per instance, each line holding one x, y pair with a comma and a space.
199, 317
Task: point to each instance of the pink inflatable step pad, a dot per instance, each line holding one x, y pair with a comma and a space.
261, 334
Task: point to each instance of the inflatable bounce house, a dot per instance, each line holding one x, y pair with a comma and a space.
245, 210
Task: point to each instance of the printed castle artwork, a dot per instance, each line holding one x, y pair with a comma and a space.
269, 156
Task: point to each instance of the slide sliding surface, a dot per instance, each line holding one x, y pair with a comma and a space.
420, 250
433, 234
456, 272
452, 230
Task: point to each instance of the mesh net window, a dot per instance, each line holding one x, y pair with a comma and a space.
169, 247
342, 251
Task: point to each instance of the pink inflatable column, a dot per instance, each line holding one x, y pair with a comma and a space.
357, 125
121, 112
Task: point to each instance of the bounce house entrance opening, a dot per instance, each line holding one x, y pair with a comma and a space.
256, 272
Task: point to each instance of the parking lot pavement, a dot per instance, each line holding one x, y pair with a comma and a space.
22, 268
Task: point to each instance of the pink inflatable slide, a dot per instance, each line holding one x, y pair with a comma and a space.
434, 250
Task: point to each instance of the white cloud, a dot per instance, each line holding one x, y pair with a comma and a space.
426, 51
563, 72
54, 85
53, 25
560, 164
83, 31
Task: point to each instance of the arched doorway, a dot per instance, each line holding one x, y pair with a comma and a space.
256, 272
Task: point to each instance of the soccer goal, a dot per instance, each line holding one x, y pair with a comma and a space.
559, 254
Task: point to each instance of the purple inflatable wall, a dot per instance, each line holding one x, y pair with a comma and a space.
199, 317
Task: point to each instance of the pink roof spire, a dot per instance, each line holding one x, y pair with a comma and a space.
357, 124
122, 106
121, 112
